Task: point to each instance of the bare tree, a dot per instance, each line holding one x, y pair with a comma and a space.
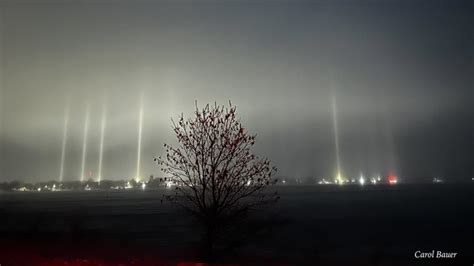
216, 176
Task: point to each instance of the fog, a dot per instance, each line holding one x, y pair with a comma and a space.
401, 72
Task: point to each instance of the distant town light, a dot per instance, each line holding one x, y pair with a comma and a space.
169, 184
339, 179
392, 179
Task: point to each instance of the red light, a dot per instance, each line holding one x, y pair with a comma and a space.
391, 178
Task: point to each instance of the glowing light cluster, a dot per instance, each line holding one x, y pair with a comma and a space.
169, 184
392, 179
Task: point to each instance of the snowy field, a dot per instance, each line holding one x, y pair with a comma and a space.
325, 225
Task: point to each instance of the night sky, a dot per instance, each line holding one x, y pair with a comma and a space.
401, 72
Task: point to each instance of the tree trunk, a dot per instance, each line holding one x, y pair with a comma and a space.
208, 245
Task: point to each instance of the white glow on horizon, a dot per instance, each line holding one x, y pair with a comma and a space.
169, 184
361, 180
339, 179
84, 144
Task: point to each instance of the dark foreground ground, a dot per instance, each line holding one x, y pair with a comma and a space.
317, 225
